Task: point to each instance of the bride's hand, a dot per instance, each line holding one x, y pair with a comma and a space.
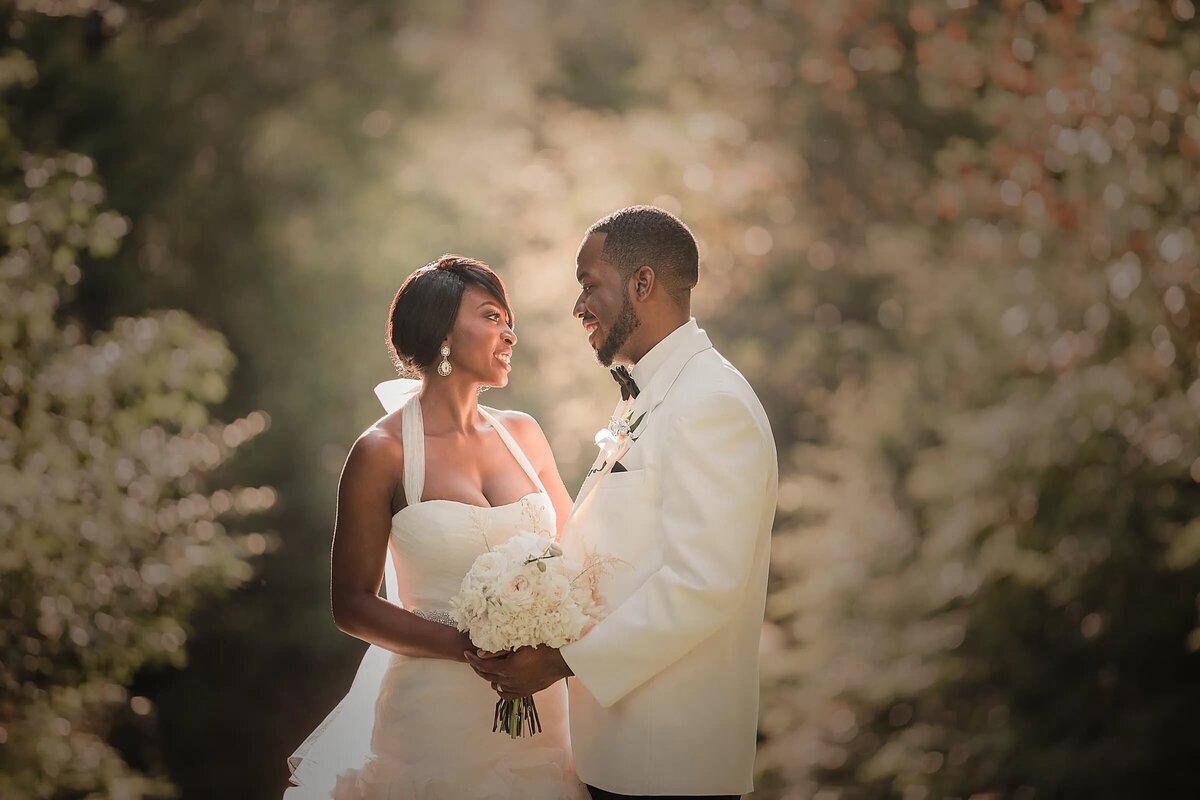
523, 672
490, 654
477, 658
468, 650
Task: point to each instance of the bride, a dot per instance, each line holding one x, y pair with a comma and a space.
425, 490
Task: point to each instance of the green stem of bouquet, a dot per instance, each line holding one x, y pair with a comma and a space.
515, 717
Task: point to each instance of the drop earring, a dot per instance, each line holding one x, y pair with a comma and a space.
445, 367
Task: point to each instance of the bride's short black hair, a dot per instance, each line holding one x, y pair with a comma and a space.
426, 304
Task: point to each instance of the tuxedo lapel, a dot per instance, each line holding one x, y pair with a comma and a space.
649, 398
598, 468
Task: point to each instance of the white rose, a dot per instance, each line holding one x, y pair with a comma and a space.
487, 568
518, 594
520, 546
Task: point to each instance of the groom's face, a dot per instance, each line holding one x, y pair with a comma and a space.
604, 305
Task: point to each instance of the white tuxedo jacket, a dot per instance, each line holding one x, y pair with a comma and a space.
665, 694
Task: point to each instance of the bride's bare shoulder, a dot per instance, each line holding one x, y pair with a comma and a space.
515, 420
524, 428
378, 447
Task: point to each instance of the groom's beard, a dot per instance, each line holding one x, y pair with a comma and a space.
627, 322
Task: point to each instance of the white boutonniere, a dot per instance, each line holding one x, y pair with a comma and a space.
620, 434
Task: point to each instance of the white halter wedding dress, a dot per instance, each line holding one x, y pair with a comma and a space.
421, 728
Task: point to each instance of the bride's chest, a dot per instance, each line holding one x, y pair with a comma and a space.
477, 471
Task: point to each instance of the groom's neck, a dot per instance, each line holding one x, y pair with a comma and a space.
654, 327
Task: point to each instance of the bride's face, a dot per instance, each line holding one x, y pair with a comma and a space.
482, 339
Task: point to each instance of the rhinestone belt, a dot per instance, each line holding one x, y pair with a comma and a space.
440, 617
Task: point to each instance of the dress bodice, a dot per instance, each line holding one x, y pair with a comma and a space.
435, 542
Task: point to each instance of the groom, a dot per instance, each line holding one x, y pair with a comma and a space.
664, 698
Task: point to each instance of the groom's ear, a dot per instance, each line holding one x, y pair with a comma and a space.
643, 282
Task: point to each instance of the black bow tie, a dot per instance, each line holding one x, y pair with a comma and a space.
629, 387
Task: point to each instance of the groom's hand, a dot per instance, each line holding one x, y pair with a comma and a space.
522, 672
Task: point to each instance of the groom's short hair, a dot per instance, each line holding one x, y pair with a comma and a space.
647, 235
426, 305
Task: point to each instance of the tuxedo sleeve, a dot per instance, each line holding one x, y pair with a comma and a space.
716, 470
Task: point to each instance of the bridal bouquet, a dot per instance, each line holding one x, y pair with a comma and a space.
523, 593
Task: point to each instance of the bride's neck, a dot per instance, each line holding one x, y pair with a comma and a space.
449, 406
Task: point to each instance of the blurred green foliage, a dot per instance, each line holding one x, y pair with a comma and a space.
110, 537
952, 244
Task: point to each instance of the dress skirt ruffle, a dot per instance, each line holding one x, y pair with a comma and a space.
421, 729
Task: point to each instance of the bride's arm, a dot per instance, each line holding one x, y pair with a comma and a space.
360, 541
533, 441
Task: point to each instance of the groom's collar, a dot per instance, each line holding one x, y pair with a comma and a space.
643, 371
656, 372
